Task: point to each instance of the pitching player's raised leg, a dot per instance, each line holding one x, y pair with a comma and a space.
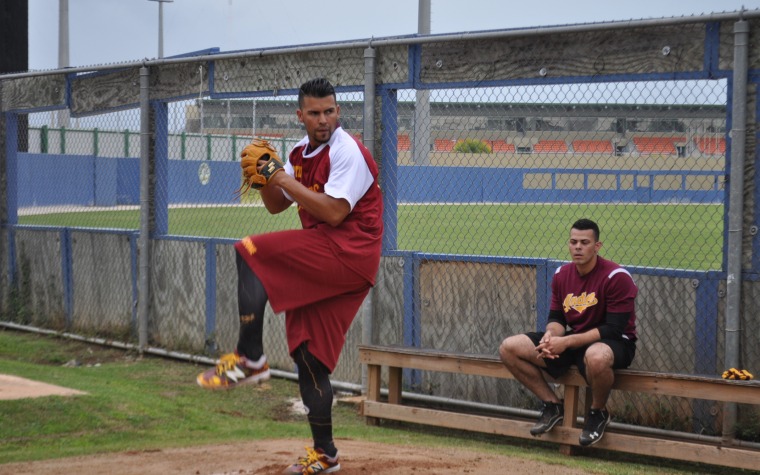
247, 364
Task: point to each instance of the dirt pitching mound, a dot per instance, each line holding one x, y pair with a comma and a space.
272, 456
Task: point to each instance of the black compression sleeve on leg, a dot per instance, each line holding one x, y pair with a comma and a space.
252, 299
317, 396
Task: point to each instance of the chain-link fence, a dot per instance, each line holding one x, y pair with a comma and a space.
119, 212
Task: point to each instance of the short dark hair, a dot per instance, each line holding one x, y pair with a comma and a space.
584, 224
319, 87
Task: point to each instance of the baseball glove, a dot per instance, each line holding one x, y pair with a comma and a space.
253, 177
733, 373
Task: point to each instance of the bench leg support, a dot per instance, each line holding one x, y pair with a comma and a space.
571, 411
394, 385
373, 389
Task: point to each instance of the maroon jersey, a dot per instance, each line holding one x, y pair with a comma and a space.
357, 240
320, 275
586, 300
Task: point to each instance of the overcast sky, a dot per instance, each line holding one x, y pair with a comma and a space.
112, 31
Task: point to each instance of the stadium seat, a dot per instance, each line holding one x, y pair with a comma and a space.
502, 146
711, 145
553, 146
592, 146
404, 143
657, 145
443, 145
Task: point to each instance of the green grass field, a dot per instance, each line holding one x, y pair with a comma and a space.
679, 236
136, 403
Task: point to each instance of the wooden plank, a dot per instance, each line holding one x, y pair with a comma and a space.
178, 80
388, 298
289, 71
501, 300
691, 451
433, 360
343, 67
665, 384
730, 456
181, 302
572, 402
448, 419
40, 277
373, 382
598, 53
714, 389
394, 385
119, 89
102, 92
103, 304
373, 390
39, 92
436, 362
392, 64
571, 409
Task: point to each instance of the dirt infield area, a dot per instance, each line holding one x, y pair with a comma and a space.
271, 457
263, 457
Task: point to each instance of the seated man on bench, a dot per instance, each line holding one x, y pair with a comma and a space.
592, 324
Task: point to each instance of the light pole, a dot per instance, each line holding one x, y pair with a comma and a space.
422, 122
62, 116
161, 25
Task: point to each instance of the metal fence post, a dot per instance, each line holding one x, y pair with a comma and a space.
369, 141
735, 213
143, 290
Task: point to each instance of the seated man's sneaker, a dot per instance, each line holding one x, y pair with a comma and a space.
551, 415
593, 427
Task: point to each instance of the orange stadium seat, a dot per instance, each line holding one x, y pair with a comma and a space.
443, 145
711, 145
592, 146
502, 146
555, 146
404, 143
657, 145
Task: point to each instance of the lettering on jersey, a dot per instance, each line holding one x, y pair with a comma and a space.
298, 171
249, 245
580, 303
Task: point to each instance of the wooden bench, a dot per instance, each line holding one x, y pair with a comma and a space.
396, 359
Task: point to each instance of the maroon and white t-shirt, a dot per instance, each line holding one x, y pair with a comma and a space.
344, 168
586, 300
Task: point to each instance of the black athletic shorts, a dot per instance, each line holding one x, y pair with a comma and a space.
624, 350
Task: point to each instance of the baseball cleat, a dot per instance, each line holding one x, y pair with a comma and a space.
315, 461
551, 414
593, 429
233, 370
